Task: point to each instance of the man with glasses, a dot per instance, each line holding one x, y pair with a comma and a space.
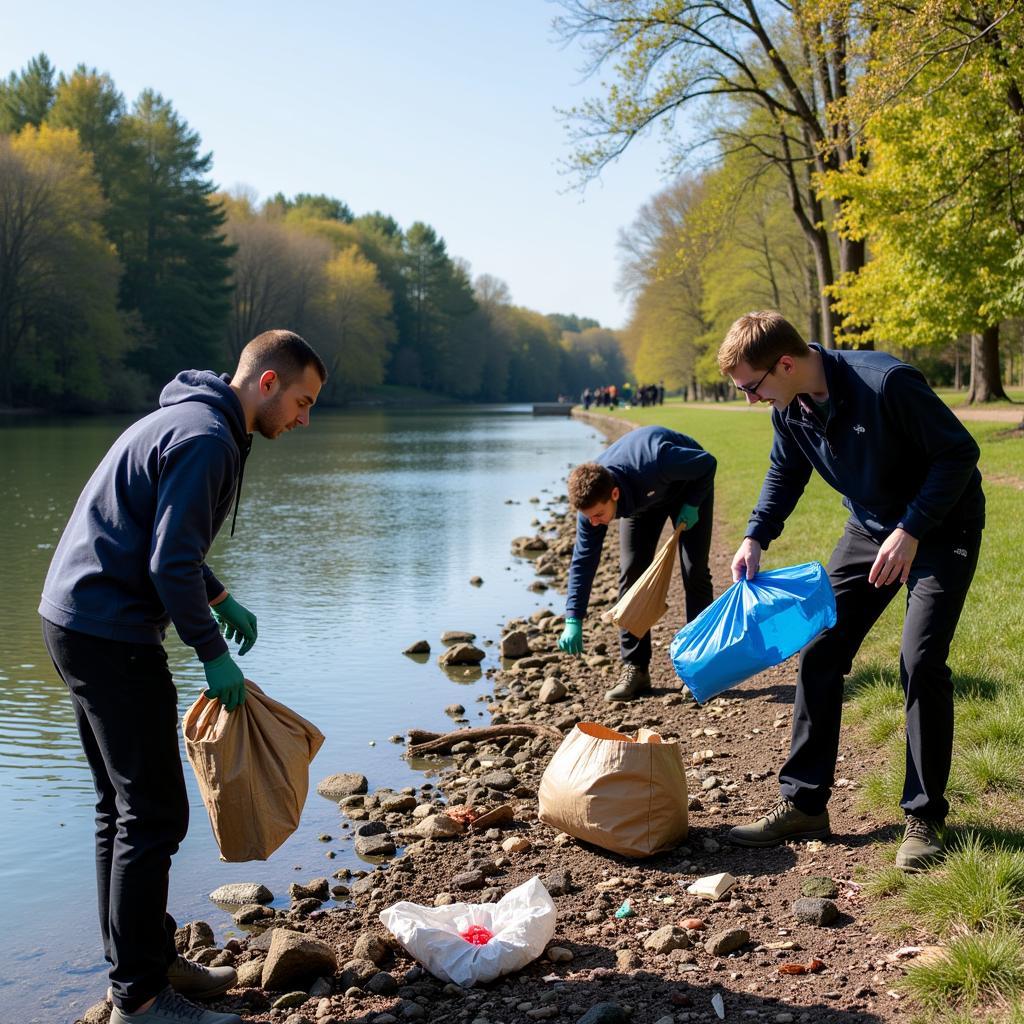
907, 470
648, 477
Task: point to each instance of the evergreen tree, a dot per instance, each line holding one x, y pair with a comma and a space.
25, 98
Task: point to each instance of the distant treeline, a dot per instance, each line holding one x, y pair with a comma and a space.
120, 264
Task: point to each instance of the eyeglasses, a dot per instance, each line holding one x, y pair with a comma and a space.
751, 389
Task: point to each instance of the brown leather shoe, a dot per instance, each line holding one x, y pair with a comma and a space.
634, 682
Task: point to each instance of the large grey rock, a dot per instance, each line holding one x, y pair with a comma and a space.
251, 913
375, 846
382, 984
469, 880
357, 971
552, 691
193, 935
296, 957
462, 654
250, 974
399, 803
515, 645
371, 947
420, 647
370, 828
558, 882
665, 939
726, 941
810, 910
457, 636
605, 1013
437, 826
498, 780
98, 1013
317, 889
241, 893
334, 787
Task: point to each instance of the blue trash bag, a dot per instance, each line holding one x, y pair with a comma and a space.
755, 624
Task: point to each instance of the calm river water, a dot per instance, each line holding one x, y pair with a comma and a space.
355, 538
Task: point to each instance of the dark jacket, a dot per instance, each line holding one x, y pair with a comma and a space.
890, 446
132, 557
651, 466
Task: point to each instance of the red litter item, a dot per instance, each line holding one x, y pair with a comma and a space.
477, 934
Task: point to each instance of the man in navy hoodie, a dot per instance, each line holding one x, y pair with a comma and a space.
649, 476
131, 561
908, 472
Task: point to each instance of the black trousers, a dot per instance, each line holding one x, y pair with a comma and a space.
127, 714
638, 544
936, 590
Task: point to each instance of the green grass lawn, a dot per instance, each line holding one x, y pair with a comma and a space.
957, 398
975, 902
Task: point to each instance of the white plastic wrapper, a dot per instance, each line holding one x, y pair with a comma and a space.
522, 923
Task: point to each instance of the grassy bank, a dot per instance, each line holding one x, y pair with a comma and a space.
975, 902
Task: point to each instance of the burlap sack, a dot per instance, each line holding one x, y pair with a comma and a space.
647, 600
626, 795
253, 770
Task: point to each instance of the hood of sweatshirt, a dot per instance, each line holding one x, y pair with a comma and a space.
206, 386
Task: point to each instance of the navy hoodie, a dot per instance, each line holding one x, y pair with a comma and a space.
890, 446
132, 557
647, 464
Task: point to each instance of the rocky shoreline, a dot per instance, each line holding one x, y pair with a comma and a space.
791, 939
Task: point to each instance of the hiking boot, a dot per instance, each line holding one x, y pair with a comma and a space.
632, 683
199, 982
171, 1008
922, 844
783, 823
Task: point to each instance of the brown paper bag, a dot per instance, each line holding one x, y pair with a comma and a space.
646, 601
626, 795
253, 770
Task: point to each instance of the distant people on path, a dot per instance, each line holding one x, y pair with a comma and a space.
908, 472
131, 561
649, 476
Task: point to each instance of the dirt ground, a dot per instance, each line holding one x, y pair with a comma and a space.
732, 749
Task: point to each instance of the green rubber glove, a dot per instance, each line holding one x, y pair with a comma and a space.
571, 640
687, 518
225, 681
237, 622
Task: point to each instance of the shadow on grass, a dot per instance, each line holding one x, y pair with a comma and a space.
875, 675
986, 833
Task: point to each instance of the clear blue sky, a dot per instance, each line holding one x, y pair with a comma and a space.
437, 110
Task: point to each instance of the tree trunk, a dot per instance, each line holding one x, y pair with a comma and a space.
958, 370
986, 380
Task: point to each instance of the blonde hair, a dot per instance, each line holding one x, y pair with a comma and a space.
759, 339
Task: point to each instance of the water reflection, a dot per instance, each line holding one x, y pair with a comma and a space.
355, 538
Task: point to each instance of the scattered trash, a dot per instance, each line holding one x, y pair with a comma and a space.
811, 967
521, 924
719, 1004
712, 887
477, 934
625, 911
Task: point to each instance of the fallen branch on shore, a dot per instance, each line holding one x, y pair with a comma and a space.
423, 742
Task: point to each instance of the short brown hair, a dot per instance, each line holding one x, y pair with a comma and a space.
760, 339
284, 352
590, 483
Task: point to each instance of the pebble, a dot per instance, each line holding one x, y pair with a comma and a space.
727, 941
816, 911
559, 955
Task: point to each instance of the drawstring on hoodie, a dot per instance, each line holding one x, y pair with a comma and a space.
241, 474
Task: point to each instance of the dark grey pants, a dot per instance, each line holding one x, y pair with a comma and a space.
638, 544
127, 714
936, 590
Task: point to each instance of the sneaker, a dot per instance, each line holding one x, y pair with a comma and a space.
171, 1008
784, 822
632, 683
199, 982
922, 844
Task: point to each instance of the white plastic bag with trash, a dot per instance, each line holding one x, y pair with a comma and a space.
521, 924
